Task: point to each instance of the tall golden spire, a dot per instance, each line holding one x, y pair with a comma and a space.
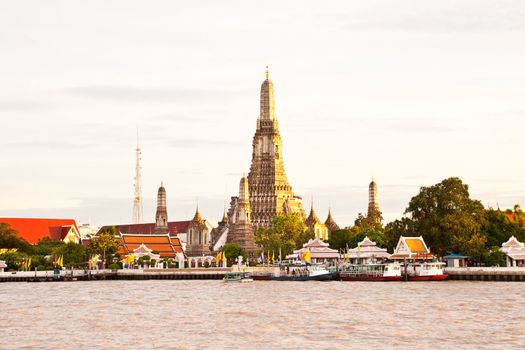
267, 99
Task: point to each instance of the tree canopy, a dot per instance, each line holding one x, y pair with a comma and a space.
447, 218
288, 233
105, 243
9, 239
232, 252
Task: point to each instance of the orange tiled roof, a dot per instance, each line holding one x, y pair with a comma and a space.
34, 229
162, 243
415, 245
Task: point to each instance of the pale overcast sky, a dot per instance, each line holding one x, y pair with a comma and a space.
410, 92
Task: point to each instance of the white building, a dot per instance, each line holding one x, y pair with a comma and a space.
514, 251
367, 252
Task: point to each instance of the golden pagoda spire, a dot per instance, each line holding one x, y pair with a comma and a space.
267, 73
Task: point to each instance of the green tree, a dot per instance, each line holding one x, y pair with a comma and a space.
9, 239
14, 260
445, 216
75, 255
288, 233
105, 243
499, 228
232, 251
395, 229
495, 257
46, 246
341, 238
372, 220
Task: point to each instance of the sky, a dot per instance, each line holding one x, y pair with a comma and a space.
407, 92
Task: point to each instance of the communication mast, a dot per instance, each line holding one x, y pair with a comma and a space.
137, 198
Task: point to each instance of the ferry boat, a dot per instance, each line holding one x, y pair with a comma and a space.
371, 272
426, 271
237, 277
302, 273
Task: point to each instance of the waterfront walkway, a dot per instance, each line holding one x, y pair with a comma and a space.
511, 274
124, 274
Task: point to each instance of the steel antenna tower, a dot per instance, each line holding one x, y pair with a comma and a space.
137, 198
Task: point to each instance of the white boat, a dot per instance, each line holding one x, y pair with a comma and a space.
426, 271
237, 277
371, 272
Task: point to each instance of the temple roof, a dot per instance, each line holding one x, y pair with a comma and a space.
198, 217
312, 219
34, 229
411, 248
174, 228
164, 244
330, 222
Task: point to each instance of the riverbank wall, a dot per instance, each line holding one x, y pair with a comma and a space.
90, 275
503, 274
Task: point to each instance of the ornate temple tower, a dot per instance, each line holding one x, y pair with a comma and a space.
241, 232
373, 204
198, 236
270, 192
161, 217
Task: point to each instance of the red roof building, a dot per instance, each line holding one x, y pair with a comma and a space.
34, 229
174, 227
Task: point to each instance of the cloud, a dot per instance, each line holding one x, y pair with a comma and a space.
49, 144
23, 106
448, 17
202, 143
141, 94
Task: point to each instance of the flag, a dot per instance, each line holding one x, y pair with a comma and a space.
60, 261
306, 255
28, 266
273, 257
224, 260
358, 247
218, 258
261, 258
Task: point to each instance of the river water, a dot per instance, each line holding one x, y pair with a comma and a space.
262, 315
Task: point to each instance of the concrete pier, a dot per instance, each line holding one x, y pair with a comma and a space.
503, 274
89, 275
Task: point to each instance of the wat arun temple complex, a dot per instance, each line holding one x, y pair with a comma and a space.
265, 192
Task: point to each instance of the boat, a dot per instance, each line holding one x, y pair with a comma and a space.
261, 275
237, 277
426, 271
371, 272
302, 273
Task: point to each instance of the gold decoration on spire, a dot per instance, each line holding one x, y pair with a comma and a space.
267, 73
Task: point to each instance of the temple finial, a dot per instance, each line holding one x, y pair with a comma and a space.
267, 73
